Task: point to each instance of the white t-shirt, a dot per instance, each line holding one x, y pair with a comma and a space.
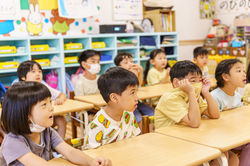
104, 130
85, 86
224, 101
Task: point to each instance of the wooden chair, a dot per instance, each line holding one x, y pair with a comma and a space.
147, 124
76, 142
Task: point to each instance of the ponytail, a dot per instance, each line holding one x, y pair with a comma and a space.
146, 70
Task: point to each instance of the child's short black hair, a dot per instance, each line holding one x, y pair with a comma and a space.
120, 56
26, 67
115, 80
17, 104
248, 73
86, 55
200, 51
182, 68
224, 67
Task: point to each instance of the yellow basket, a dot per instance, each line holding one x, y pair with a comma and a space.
9, 65
43, 62
40, 47
73, 46
72, 59
7, 49
98, 45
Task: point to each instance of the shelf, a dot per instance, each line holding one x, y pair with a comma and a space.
172, 56
103, 49
127, 48
51, 67
8, 70
144, 58
72, 65
168, 45
13, 55
148, 47
44, 52
106, 62
74, 51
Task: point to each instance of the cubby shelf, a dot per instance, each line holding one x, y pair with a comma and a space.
56, 48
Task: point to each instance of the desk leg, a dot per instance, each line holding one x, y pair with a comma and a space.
73, 127
223, 160
86, 120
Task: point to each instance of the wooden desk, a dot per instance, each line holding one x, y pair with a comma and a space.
143, 93
155, 149
228, 132
61, 161
71, 106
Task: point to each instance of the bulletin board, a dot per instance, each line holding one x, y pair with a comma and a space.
232, 6
127, 10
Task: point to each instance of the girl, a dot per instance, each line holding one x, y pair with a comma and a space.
230, 75
159, 73
26, 118
89, 60
246, 96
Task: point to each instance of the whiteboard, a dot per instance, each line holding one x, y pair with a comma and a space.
127, 10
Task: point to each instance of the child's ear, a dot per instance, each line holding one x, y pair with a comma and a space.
176, 82
23, 78
195, 60
113, 97
152, 61
84, 65
225, 77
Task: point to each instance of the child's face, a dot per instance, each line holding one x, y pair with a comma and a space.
201, 60
236, 76
92, 60
160, 61
127, 63
42, 113
128, 100
35, 74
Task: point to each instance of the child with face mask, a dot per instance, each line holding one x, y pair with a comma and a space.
27, 117
89, 60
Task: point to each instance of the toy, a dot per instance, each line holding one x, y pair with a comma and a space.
72, 59
72, 46
60, 24
9, 65
43, 62
34, 23
7, 49
39, 47
98, 45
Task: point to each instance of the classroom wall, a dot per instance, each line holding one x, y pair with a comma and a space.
189, 26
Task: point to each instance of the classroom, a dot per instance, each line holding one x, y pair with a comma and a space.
124, 82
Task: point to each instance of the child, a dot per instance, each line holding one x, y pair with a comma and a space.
26, 117
116, 121
159, 73
89, 60
230, 75
183, 104
32, 71
246, 96
125, 60
201, 59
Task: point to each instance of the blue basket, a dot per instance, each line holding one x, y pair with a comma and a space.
106, 57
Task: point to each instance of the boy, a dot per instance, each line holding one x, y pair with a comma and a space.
183, 104
201, 59
89, 60
32, 71
118, 88
125, 60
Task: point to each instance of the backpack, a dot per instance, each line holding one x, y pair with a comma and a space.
2, 91
75, 77
52, 79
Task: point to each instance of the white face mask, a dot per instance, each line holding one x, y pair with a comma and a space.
94, 68
36, 128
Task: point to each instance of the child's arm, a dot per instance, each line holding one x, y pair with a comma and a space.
78, 157
193, 117
139, 70
60, 99
166, 78
212, 111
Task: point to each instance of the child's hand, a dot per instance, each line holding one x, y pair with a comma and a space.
168, 70
60, 99
101, 161
136, 67
186, 86
206, 84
